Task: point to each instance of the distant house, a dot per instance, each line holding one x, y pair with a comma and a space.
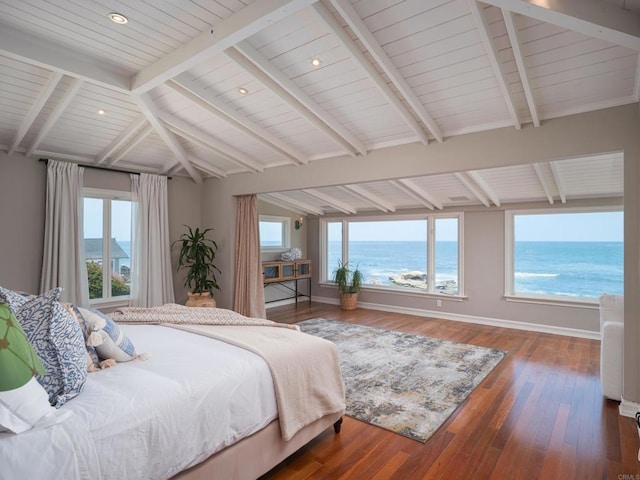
93, 252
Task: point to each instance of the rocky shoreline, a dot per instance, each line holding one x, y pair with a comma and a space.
417, 279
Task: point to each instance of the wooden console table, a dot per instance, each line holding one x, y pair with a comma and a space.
283, 272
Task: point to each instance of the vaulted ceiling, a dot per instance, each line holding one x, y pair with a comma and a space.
207, 88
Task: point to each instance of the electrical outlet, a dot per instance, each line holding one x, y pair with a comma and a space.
438, 303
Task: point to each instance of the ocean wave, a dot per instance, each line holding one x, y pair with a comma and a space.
536, 275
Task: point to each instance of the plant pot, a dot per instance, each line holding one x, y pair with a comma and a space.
348, 301
200, 300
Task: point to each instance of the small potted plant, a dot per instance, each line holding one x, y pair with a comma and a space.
349, 284
197, 253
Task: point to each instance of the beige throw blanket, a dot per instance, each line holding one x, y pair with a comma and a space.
305, 369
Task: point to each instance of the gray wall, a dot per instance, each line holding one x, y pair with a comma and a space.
608, 130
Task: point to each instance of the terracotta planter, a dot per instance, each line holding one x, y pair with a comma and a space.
200, 300
348, 301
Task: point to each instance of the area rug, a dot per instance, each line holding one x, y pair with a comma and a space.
409, 384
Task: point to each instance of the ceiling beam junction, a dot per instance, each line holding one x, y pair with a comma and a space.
242, 24
131, 145
55, 114
206, 166
412, 194
557, 177
484, 187
421, 193
121, 139
208, 101
288, 203
35, 109
337, 204
347, 139
543, 182
492, 54
370, 71
369, 197
521, 63
148, 108
462, 177
593, 18
354, 21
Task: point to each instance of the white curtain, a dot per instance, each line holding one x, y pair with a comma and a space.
151, 280
63, 263
249, 291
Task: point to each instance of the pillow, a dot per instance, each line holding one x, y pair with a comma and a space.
58, 341
115, 344
93, 362
14, 298
23, 407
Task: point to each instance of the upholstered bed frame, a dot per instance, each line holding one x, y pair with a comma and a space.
254, 456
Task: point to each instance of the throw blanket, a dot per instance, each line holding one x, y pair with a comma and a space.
305, 369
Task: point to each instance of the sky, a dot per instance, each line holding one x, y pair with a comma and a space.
120, 215
595, 227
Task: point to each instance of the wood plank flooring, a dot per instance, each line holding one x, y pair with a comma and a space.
538, 415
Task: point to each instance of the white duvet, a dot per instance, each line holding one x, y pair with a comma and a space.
150, 419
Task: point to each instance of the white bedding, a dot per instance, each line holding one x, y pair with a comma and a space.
152, 419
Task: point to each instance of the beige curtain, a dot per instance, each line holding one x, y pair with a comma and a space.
249, 291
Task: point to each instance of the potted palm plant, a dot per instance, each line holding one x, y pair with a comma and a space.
197, 253
349, 284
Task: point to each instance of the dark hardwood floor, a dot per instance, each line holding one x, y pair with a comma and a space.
538, 415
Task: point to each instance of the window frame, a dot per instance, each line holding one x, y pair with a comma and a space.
509, 261
107, 299
431, 263
286, 233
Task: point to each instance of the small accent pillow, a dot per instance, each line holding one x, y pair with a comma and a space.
115, 344
22, 407
58, 341
93, 362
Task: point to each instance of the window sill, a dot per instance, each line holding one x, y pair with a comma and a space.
579, 302
407, 292
110, 302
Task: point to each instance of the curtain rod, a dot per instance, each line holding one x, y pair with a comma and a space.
95, 167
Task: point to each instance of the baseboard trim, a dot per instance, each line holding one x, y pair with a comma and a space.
494, 322
628, 408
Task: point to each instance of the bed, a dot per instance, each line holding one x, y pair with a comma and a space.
193, 407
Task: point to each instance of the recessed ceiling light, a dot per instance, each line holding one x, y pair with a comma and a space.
243, 90
101, 112
316, 62
118, 18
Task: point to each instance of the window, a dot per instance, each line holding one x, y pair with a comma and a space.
568, 255
274, 232
107, 244
409, 254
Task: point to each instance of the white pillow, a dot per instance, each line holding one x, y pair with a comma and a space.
22, 407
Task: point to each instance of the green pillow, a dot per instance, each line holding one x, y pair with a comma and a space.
18, 361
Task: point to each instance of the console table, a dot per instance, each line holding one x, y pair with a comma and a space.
284, 272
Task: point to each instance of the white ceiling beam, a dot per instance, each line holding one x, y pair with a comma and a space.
207, 167
289, 203
55, 114
46, 54
131, 145
472, 188
209, 102
369, 197
337, 204
557, 177
521, 63
382, 59
369, 70
79, 159
149, 110
492, 54
484, 187
421, 193
35, 109
239, 26
593, 18
543, 182
189, 132
412, 194
121, 139
348, 139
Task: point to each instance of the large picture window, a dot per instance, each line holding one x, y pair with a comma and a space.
409, 254
569, 254
107, 244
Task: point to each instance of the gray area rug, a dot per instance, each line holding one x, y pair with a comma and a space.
409, 384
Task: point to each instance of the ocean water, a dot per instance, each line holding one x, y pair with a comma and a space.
582, 269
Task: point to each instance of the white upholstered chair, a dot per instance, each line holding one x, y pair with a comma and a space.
611, 346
